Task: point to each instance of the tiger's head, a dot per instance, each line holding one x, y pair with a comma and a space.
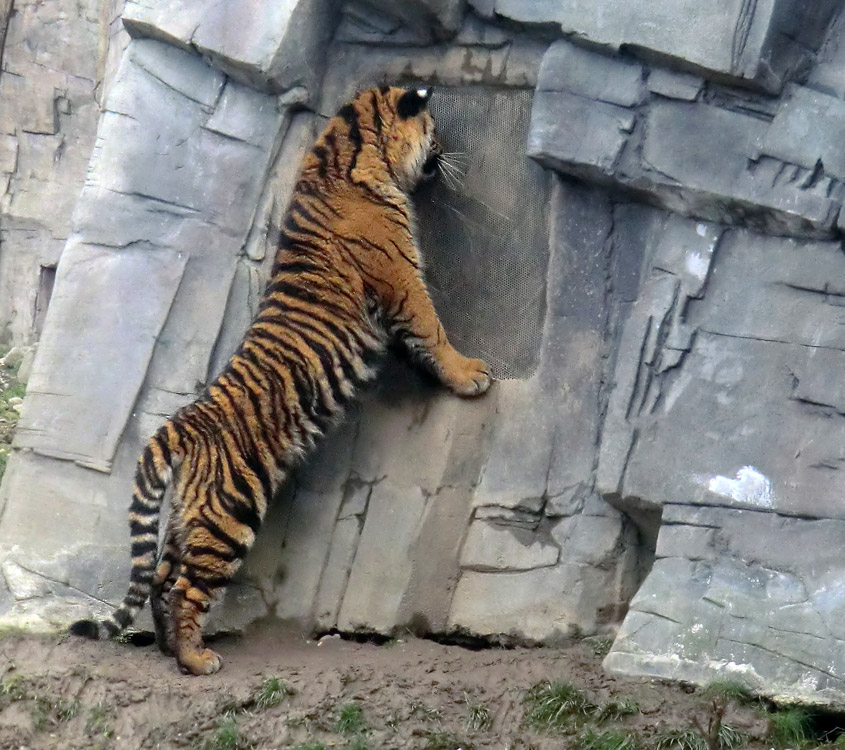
389, 135
414, 151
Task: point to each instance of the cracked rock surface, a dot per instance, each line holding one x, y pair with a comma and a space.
665, 463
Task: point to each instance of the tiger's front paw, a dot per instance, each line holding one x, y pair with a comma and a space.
469, 377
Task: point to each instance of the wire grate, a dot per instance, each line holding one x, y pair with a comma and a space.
483, 232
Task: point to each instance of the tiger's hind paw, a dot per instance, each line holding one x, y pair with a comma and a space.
200, 662
472, 379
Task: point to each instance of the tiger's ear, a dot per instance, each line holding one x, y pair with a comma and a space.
412, 102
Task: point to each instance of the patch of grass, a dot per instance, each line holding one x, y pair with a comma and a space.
679, 739
600, 645
615, 709
99, 720
12, 688
357, 743
426, 712
227, 736
479, 718
271, 693
554, 706
350, 719
310, 746
730, 738
444, 740
47, 711
728, 690
612, 739
791, 727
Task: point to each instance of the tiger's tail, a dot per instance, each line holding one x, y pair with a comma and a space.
152, 476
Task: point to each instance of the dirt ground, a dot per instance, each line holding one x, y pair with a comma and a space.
285, 691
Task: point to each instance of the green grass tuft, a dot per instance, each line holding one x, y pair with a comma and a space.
350, 720
426, 712
679, 739
612, 739
728, 690
616, 709
272, 692
12, 689
479, 719
791, 727
99, 720
600, 645
227, 737
730, 738
552, 706
46, 711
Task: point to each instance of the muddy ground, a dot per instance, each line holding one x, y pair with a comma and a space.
62, 692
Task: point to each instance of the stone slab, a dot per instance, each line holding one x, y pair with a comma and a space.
766, 326
762, 44
719, 160
575, 70
435, 19
808, 130
269, 46
62, 417
738, 598
490, 547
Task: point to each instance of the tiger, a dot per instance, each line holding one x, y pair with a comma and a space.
346, 283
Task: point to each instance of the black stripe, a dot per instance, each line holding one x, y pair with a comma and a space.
150, 470
138, 527
209, 525
164, 448
376, 114
141, 548
350, 116
296, 267
304, 368
331, 140
197, 550
320, 153
271, 377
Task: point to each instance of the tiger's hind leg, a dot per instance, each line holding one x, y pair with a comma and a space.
166, 575
208, 564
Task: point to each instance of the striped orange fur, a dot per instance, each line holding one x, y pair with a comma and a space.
346, 280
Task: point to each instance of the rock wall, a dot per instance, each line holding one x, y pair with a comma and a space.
662, 464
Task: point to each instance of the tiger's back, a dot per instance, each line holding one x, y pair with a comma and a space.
346, 279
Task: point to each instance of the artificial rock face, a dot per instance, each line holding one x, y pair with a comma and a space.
643, 235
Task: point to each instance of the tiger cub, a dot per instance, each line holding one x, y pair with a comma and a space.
346, 280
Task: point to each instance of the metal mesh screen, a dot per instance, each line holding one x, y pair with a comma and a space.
484, 234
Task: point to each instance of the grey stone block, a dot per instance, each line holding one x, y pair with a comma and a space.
765, 45
490, 547
62, 417
271, 46
547, 604
383, 567
560, 124
574, 70
672, 85
591, 540
170, 190
765, 326
808, 130
753, 605
439, 19
717, 160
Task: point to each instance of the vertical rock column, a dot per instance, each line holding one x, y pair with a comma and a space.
174, 189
